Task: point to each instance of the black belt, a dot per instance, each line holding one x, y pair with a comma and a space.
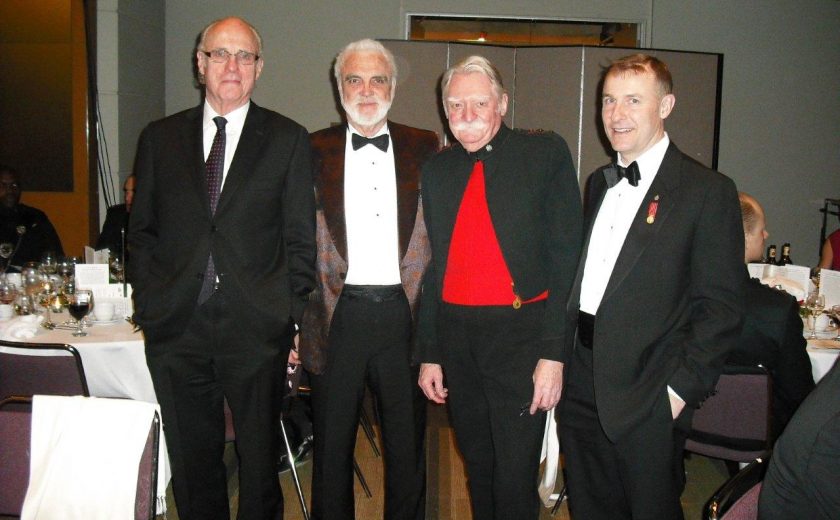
586, 329
373, 293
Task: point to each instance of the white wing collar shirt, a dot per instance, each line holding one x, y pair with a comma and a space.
370, 212
616, 214
233, 131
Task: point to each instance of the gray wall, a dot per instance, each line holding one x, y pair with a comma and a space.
130, 77
780, 114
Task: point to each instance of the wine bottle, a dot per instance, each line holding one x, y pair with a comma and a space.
785, 260
771, 255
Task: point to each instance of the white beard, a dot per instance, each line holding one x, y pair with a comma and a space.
355, 116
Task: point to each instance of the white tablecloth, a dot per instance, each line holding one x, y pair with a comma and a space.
822, 358
114, 360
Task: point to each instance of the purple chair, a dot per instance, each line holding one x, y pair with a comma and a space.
737, 498
27, 369
734, 424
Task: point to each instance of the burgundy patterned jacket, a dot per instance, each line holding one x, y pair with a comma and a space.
412, 147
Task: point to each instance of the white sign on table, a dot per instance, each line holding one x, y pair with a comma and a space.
830, 286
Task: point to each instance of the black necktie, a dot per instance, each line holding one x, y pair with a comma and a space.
615, 173
215, 167
380, 141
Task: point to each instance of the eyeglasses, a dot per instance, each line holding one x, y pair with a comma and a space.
223, 55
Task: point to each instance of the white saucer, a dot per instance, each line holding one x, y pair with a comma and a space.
105, 322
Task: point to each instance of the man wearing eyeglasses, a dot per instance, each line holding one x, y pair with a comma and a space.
222, 238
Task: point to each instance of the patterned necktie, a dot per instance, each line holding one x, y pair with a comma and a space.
215, 164
215, 167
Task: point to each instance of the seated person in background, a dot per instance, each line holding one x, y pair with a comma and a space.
830, 257
116, 220
26, 229
803, 478
772, 332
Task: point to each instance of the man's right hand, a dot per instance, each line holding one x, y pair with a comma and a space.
431, 381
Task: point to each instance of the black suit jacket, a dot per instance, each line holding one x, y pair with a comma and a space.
412, 147
772, 337
534, 202
116, 219
671, 311
262, 235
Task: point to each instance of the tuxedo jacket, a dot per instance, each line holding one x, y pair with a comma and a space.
262, 235
671, 311
411, 147
534, 203
772, 337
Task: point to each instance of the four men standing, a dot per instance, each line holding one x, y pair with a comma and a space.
224, 234
372, 253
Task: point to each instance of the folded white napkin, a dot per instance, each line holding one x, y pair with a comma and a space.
551, 455
25, 327
85, 456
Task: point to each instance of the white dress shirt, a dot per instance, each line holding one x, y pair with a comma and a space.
370, 212
615, 216
233, 131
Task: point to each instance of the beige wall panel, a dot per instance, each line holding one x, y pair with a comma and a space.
547, 92
417, 101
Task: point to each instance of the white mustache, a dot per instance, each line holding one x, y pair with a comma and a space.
474, 125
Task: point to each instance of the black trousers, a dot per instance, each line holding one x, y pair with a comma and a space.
369, 344
490, 354
640, 476
216, 358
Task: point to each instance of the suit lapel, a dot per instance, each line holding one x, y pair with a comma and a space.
193, 136
330, 184
250, 142
408, 184
661, 193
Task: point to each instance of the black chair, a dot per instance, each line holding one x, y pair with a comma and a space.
737, 498
734, 424
27, 369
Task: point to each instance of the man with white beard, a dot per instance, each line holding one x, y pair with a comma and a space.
358, 328
503, 212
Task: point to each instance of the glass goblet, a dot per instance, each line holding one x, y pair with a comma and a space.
815, 303
49, 262
79, 305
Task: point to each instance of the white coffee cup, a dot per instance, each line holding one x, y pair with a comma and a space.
6, 311
103, 311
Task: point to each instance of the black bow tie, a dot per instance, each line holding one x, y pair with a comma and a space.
380, 141
615, 173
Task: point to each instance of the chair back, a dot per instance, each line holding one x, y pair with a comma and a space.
734, 423
15, 432
147, 476
737, 498
27, 369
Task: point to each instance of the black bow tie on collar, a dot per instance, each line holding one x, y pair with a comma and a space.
615, 173
380, 141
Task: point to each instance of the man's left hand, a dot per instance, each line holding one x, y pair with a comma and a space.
548, 383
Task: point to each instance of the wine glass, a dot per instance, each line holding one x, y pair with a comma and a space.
79, 307
65, 268
46, 297
815, 303
117, 269
49, 262
8, 291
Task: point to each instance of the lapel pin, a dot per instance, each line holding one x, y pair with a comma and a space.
652, 207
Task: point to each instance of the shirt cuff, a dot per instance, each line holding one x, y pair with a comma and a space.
673, 393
